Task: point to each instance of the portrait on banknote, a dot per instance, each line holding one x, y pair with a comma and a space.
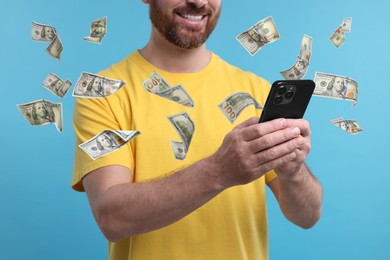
97, 30
90, 86
48, 33
95, 88
43, 33
105, 143
40, 114
335, 88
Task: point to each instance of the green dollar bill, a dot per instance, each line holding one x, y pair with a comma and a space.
97, 31
185, 127
260, 34
349, 126
234, 104
107, 142
42, 112
336, 87
94, 86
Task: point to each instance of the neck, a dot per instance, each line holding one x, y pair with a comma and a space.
169, 57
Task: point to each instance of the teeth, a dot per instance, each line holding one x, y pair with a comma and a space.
192, 17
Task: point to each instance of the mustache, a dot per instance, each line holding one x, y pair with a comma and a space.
193, 10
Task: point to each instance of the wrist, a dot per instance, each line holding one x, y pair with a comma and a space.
296, 175
212, 171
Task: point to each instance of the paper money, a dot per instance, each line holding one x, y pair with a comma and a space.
58, 116
260, 34
107, 142
97, 30
56, 85
346, 25
177, 94
234, 104
338, 37
185, 128
47, 33
349, 126
42, 112
94, 86
157, 85
299, 69
55, 48
336, 86
43, 32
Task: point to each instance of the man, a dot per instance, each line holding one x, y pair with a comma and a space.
211, 204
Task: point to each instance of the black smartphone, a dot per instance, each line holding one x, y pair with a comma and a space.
287, 99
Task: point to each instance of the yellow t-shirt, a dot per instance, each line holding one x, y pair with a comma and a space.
233, 225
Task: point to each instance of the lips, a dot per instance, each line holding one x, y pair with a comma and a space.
191, 17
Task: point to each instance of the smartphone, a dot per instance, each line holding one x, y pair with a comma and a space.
287, 99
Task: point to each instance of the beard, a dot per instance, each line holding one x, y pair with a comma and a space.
178, 34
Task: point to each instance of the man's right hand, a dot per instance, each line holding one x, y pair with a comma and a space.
252, 149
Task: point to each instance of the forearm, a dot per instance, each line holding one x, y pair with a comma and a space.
134, 208
300, 197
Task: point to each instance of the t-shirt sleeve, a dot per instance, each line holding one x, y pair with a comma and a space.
91, 117
270, 176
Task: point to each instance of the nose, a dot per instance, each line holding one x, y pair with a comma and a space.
198, 3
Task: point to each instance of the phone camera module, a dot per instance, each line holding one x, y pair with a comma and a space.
278, 100
284, 94
289, 94
281, 90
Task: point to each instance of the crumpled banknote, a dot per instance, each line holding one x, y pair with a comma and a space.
299, 69
349, 126
185, 127
157, 85
42, 112
260, 34
107, 141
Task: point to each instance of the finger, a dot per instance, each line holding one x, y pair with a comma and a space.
294, 164
280, 161
301, 156
260, 129
273, 139
302, 124
280, 150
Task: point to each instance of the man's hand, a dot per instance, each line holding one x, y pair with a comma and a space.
251, 149
292, 167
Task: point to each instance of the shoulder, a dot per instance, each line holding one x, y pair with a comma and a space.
236, 72
117, 70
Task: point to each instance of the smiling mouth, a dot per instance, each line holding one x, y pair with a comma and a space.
191, 17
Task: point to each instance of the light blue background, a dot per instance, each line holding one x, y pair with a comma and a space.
42, 218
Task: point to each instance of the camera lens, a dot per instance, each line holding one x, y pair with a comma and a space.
281, 90
289, 95
278, 100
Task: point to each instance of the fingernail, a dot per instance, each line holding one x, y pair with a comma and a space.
296, 131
